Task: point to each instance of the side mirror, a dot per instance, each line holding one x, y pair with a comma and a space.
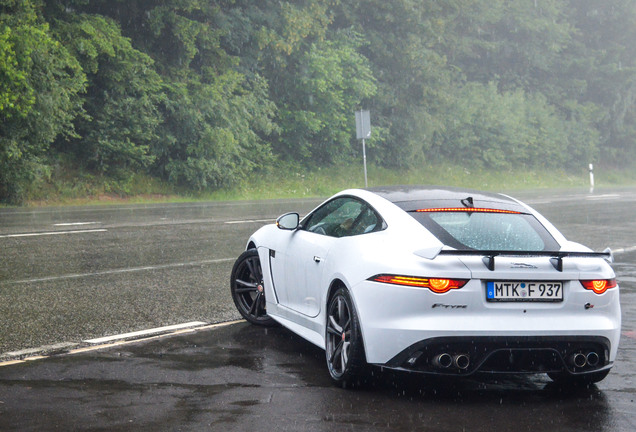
288, 221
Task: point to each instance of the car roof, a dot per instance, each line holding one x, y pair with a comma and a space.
411, 198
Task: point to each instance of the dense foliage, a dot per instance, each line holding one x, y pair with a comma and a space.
202, 93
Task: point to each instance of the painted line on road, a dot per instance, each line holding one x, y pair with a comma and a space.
624, 250
234, 222
118, 271
52, 233
588, 197
75, 223
121, 342
148, 332
602, 197
33, 353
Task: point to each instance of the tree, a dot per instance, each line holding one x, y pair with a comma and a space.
215, 117
602, 62
212, 133
122, 100
514, 43
202, 93
331, 81
40, 84
512, 131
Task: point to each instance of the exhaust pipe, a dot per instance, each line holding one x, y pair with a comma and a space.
443, 360
578, 360
462, 361
593, 359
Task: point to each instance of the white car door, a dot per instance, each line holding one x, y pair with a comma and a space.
305, 256
307, 251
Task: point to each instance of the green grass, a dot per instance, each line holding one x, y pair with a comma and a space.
73, 188
294, 183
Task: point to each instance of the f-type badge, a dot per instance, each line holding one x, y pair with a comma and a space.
446, 306
523, 266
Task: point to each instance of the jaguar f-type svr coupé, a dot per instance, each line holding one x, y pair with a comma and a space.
434, 280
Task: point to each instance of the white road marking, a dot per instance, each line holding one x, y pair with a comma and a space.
33, 352
249, 221
602, 197
147, 332
624, 250
75, 223
539, 202
118, 271
124, 339
562, 198
52, 233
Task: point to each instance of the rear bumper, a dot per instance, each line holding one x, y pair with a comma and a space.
397, 320
575, 355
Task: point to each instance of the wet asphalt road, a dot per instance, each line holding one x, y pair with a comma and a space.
72, 274
138, 267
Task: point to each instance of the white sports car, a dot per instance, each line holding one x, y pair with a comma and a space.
433, 280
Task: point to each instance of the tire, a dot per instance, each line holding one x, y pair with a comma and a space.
578, 380
248, 293
344, 347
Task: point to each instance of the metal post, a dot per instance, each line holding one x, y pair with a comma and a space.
364, 158
591, 178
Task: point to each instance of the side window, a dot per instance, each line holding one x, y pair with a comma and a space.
344, 216
368, 221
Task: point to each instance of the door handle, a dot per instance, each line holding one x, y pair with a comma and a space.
317, 259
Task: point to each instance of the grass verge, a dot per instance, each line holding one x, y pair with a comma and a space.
294, 182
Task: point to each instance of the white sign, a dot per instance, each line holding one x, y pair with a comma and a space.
363, 125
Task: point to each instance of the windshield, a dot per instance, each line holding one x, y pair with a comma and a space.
487, 231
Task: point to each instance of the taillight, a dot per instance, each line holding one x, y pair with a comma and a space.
599, 286
464, 210
437, 285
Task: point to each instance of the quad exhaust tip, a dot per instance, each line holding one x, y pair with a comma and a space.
462, 361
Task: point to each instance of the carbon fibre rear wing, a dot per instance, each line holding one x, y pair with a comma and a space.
556, 257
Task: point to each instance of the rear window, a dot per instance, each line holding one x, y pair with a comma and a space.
487, 231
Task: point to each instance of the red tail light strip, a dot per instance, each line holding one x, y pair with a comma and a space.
437, 285
466, 210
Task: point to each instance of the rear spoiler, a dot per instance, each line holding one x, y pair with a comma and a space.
556, 258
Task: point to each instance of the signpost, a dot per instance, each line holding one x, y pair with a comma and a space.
363, 131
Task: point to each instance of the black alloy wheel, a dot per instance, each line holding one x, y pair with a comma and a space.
344, 347
248, 290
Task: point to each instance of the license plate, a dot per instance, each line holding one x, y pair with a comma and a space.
523, 291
